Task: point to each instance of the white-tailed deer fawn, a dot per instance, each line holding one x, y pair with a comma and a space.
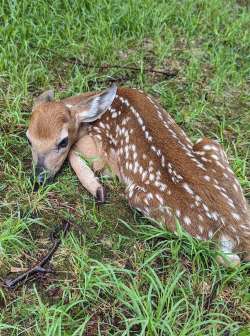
166, 176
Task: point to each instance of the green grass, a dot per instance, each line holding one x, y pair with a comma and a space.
124, 276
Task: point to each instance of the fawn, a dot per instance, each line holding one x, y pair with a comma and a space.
167, 177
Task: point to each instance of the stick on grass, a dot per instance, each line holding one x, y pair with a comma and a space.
39, 267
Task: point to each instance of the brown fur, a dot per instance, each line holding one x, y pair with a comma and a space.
48, 118
200, 189
181, 163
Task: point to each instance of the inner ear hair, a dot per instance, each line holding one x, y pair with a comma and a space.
45, 97
93, 107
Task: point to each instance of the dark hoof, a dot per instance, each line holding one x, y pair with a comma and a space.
39, 183
36, 187
101, 195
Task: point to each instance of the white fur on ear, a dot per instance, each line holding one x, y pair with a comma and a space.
100, 104
94, 107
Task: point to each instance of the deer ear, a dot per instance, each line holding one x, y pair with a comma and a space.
45, 97
92, 108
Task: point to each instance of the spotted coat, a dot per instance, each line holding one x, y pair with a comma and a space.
167, 177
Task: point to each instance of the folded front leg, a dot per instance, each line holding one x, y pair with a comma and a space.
86, 148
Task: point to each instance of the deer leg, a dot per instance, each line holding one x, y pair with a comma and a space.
136, 199
229, 258
215, 160
87, 148
151, 204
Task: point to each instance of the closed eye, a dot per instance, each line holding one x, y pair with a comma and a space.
63, 143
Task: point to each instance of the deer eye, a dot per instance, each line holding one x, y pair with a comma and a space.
63, 143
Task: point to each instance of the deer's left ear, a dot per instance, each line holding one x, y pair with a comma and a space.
45, 97
92, 108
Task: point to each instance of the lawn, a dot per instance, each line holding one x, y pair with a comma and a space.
116, 273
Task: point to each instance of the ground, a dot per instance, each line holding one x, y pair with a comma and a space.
115, 272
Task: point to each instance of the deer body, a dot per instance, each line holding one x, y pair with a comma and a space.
166, 176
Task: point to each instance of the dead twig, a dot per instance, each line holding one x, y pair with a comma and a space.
210, 298
166, 73
39, 268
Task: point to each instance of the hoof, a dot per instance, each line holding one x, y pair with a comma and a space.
229, 261
101, 195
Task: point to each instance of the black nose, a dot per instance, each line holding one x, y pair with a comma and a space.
41, 176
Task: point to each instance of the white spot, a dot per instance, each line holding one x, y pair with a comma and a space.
97, 129
162, 187
210, 234
199, 140
207, 147
126, 102
220, 164
98, 136
151, 177
235, 187
214, 215
160, 199
187, 220
198, 198
136, 165
130, 193
233, 228
187, 188
178, 213
102, 125
245, 227
235, 215
158, 173
149, 196
209, 215
163, 161
200, 218
205, 207
201, 229
140, 121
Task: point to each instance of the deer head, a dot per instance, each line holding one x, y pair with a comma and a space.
54, 126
